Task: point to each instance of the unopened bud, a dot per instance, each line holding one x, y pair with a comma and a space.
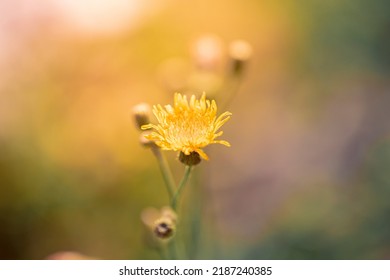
240, 52
162, 223
142, 114
207, 52
164, 228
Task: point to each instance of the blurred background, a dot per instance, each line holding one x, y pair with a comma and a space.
308, 173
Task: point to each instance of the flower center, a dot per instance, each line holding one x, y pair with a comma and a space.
188, 128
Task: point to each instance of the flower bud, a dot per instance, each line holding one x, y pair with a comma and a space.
240, 52
161, 223
141, 114
164, 228
207, 51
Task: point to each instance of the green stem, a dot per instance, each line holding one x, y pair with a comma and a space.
183, 182
177, 246
165, 170
172, 249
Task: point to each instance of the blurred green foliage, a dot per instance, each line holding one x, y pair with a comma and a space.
342, 222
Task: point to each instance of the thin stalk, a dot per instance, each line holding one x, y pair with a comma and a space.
172, 249
165, 170
182, 184
177, 242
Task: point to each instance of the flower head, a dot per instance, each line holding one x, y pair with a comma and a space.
187, 127
162, 223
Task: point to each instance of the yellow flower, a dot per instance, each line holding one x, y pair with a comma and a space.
187, 126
